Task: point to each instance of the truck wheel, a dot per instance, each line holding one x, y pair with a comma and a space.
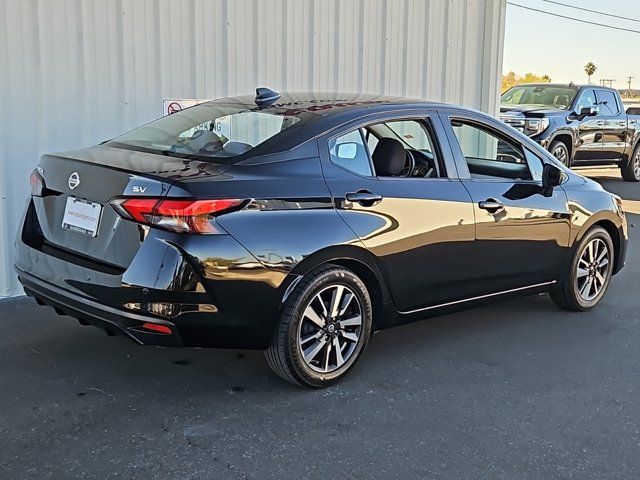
559, 150
631, 170
324, 328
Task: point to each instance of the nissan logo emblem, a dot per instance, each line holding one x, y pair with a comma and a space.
74, 180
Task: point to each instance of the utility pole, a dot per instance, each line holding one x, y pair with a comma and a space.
629, 84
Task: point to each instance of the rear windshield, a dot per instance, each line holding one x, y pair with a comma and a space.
539, 95
208, 130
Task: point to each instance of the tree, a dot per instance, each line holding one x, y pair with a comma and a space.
511, 79
590, 68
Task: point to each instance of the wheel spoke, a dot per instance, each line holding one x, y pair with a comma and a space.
599, 281
590, 252
311, 314
582, 272
311, 352
603, 262
351, 322
325, 314
327, 354
339, 358
345, 303
313, 336
336, 298
349, 336
586, 288
601, 255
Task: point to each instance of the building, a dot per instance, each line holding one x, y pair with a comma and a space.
76, 72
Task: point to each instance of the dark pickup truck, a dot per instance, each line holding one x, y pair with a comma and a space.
579, 125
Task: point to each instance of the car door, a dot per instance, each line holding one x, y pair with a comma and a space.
420, 231
522, 229
588, 130
613, 121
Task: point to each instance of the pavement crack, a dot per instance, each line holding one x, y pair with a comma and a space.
107, 394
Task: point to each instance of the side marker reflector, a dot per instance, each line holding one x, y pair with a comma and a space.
157, 328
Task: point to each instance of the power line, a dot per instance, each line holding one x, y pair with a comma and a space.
573, 19
592, 11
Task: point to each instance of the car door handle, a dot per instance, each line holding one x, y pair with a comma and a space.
622, 123
363, 197
491, 205
600, 123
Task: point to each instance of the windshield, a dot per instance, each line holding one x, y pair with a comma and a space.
539, 95
208, 130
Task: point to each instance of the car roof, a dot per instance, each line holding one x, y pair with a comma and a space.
565, 85
321, 112
328, 103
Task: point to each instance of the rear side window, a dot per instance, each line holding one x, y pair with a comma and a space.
607, 102
490, 156
349, 152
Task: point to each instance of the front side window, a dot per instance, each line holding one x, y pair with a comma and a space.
488, 155
607, 103
587, 99
349, 152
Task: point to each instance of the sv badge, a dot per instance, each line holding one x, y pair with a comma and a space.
138, 189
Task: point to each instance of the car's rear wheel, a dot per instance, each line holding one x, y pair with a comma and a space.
559, 150
324, 328
589, 273
631, 170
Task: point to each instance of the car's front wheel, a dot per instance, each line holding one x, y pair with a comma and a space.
324, 328
559, 150
589, 273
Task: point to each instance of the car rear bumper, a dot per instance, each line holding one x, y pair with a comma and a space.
89, 312
209, 330
201, 290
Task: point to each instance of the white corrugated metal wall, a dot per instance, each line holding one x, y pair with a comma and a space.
75, 72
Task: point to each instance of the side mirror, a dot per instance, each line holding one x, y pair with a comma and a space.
552, 176
347, 150
588, 112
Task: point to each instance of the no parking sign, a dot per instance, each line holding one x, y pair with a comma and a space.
171, 105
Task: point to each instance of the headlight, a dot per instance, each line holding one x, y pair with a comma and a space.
534, 126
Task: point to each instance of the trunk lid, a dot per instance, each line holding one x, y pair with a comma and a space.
88, 179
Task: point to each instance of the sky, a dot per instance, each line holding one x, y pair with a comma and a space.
560, 48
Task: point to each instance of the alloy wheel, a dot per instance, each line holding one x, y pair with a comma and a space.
636, 163
330, 329
560, 153
593, 269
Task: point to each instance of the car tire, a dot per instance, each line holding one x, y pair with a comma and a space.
631, 170
312, 321
589, 273
560, 151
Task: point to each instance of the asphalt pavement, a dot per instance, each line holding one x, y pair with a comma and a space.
516, 390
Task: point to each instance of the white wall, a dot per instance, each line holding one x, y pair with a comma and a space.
76, 72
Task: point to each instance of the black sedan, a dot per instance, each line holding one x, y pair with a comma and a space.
301, 223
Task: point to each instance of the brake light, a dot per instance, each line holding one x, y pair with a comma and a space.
177, 215
37, 183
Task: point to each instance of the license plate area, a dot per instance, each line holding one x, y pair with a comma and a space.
82, 216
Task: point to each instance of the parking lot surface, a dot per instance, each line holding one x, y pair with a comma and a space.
516, 390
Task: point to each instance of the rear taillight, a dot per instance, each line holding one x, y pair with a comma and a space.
177, 215
37, 183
